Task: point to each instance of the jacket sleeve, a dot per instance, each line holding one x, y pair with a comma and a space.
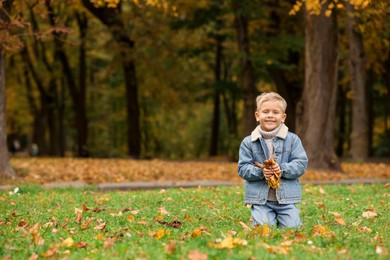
246, 168
297, 162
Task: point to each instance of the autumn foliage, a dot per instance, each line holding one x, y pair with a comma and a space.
46, 170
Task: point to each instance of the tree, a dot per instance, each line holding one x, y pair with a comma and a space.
5, 166
247, 76
357, 72
111, 17
316, 126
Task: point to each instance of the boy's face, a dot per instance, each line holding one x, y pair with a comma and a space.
270, 115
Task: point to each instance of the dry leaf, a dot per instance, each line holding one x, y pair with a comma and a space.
173, 224
81, 245
163, 211
108, 243
244, 226
280, 250
320, 230
79, 215
338, 218
300, 237
380, 250
197, 255
100, 226
229, 242
170, 248
369, 214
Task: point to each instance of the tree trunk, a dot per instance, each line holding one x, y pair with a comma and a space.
5, 166
320, 89
359, 142
213, 151
247, 78
111, 17
341, 111
284, 88
77, 93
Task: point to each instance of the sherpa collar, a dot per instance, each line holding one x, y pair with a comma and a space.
281, 134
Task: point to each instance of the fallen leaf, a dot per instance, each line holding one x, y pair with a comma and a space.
161, 233
51, 252
100, 226
79, 215
197, 232
173, 224
197, 255
170, 248
163, 211
85, 208
369, 214
108, 243
229, 242
263, 231
320, 205
34, 256
244, 226
380, 250
67, 242
280, 250
365, 229
300, 237
320, 230
80, 245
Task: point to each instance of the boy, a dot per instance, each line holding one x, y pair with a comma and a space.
272, 140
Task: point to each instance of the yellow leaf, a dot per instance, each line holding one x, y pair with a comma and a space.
281, 250
197, 232
161, 233
229, 242
159, 217
130, 218
328, 13
67, 242
320, 230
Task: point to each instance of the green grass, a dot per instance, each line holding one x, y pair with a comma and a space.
36, 222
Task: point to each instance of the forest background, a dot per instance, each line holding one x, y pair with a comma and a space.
178, 79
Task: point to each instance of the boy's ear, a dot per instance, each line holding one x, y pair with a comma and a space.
284, 117
257, 116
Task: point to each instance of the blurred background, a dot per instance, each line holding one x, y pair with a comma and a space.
178, 79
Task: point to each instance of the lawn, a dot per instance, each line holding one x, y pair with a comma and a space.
204, 223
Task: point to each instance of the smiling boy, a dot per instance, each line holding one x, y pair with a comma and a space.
271, 138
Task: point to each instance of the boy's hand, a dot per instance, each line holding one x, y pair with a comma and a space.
269, 172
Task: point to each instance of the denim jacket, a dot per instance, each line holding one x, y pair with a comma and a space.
289, 154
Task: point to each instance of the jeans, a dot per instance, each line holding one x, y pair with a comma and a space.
272, 213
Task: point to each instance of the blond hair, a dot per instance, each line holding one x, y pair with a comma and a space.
271, 96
